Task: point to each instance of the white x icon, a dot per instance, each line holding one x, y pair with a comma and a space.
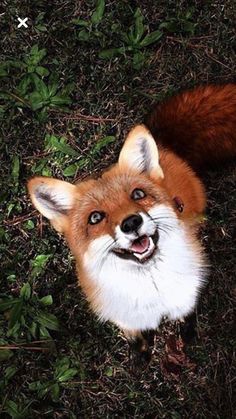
22, 22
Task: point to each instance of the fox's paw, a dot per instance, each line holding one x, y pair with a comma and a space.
140, 356
139, 361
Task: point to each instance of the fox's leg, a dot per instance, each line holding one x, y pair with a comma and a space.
188, 328
140, 352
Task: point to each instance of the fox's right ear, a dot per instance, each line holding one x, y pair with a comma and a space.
53, 198
140, 153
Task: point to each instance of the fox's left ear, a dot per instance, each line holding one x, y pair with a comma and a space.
140, 153
53, 198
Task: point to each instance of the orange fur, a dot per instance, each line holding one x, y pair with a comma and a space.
198, 125
191, 129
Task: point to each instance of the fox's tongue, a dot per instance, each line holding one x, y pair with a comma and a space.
140, 245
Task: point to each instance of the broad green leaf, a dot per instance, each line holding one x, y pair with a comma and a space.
40, 86
24, 84
25, 291
44, 390
109, 372
43, 332
14, 331
55, 392
48, 320
138, 60
70, 170
67, 375
170, 26
47, 300
33, 329
10, 207
139, 27
42, 71
83, 35
83, 162
80, 22
15, 63
5, 354
58, 145
11, 278
15, 314
9, 372
35, 55
31, 69
151, 38
102, 143
60, 100
36, 385
46, 172
41, 28
61, 366
98, 14
12, 409
3, 72
15, 168
38, 264
112, 52
29, 225
36, 101
53, 88
6, 305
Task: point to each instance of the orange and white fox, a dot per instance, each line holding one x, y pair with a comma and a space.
133, 231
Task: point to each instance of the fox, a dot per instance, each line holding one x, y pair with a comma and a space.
134, 229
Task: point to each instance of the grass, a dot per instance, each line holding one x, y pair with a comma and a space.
81, 368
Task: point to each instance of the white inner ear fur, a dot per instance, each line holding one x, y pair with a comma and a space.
53, 198
140, 152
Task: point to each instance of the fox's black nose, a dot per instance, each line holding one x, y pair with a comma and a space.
131, 223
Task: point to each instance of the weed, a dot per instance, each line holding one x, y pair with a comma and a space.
134, 41
63, 372
17, 410
32, 91
182, 23
60, 154
89, 28
27, 315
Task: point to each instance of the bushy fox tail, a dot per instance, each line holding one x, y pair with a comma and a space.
199, 125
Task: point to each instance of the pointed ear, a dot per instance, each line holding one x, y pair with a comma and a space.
53, 198
140, 152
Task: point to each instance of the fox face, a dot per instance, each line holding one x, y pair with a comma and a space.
130, 244
118, 204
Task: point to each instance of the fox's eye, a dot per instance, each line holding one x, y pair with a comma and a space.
138, 194
95, 217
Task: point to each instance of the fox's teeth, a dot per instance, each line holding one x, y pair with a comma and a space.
147, 253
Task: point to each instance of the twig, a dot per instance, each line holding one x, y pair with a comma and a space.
89, 118
21, 219
189, 44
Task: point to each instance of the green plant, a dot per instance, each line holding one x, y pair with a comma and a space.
17, 410
91, 156
27, 314
37, 89
30, 63
182, 23
134, 41
66, 158
89, 28
63, 371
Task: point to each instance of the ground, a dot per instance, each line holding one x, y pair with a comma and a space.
65, 106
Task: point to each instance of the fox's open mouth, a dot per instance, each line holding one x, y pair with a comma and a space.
141, 248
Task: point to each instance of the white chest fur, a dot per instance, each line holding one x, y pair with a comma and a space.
137, 296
